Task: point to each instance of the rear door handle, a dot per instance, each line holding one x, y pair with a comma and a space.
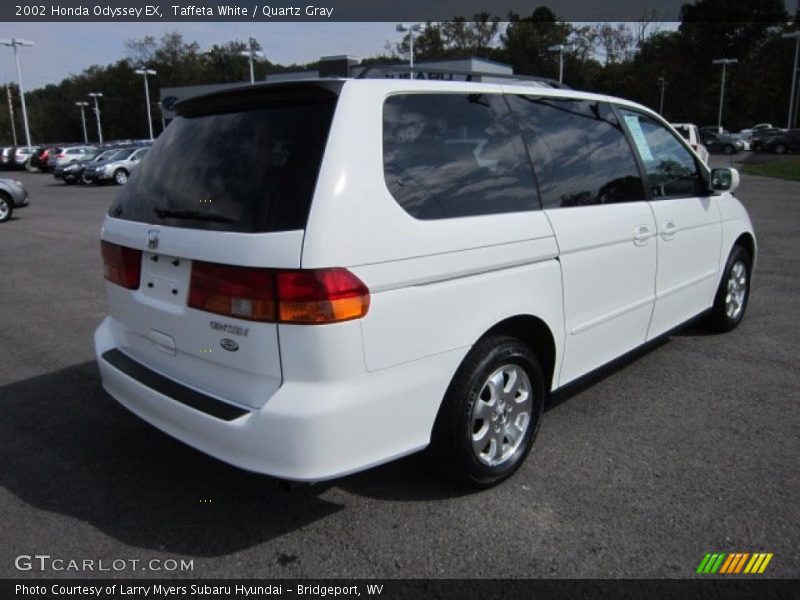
641, 235
668, 230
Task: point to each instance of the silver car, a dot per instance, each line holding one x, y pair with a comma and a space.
12, 195
68, 154
118, 168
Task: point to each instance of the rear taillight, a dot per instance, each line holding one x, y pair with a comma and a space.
121, 265
312, 296
321, 296
236, 291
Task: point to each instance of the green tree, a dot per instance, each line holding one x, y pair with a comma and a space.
526, 40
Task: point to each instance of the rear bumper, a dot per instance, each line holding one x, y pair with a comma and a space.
307, 430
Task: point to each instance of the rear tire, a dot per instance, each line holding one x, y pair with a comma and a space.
781, 148
733, 293
6, 208
120, 177
490, 414
728, 149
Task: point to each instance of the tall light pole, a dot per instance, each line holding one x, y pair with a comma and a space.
83, 105
145, 73
402, 28
95, 96
252, 54
724, 62
13, 43
792, 118
662, 83
11, 114
560, 49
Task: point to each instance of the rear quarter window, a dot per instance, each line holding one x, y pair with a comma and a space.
455, 155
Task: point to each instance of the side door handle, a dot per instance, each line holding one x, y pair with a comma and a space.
668, 230
641, 235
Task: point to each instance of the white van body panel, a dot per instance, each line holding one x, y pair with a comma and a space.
608, 259
689, 237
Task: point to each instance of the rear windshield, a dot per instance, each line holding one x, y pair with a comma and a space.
250, 171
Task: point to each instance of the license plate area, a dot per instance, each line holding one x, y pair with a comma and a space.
165, 278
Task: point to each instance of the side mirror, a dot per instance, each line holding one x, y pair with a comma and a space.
724, 180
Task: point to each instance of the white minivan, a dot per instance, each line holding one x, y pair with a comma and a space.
364, 268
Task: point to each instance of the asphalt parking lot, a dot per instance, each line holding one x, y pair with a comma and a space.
693, 447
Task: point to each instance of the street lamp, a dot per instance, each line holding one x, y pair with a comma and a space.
402, 28
796, 35
662, 83
13, 43
560, 49
11, 114
97, 95
83, 105
145, 73
724, 62
252, 54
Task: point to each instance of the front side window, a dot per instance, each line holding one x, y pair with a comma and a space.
454, 155
579, 151
671, 169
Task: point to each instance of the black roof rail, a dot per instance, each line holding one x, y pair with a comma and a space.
381, 70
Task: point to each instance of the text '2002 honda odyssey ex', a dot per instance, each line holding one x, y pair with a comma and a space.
397, 264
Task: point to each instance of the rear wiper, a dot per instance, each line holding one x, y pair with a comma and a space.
192, 215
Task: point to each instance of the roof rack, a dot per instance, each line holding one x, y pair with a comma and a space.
377, 71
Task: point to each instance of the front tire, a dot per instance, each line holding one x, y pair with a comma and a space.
733, 293
6, 208
729, 149
490, 414
781, 149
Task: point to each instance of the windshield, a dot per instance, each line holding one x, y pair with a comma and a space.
249, 171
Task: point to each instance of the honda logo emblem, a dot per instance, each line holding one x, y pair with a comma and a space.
152, 239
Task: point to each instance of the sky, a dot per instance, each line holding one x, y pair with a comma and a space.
62, 49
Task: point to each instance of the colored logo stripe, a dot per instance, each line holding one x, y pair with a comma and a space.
734, 563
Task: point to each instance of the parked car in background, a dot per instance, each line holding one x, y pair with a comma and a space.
22, 154
744, 138
68, 154
6, 156
40, 157
691, 134
721, 142
758, 137
118, 168
785, 141
757, 128
12, 195
74, 172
